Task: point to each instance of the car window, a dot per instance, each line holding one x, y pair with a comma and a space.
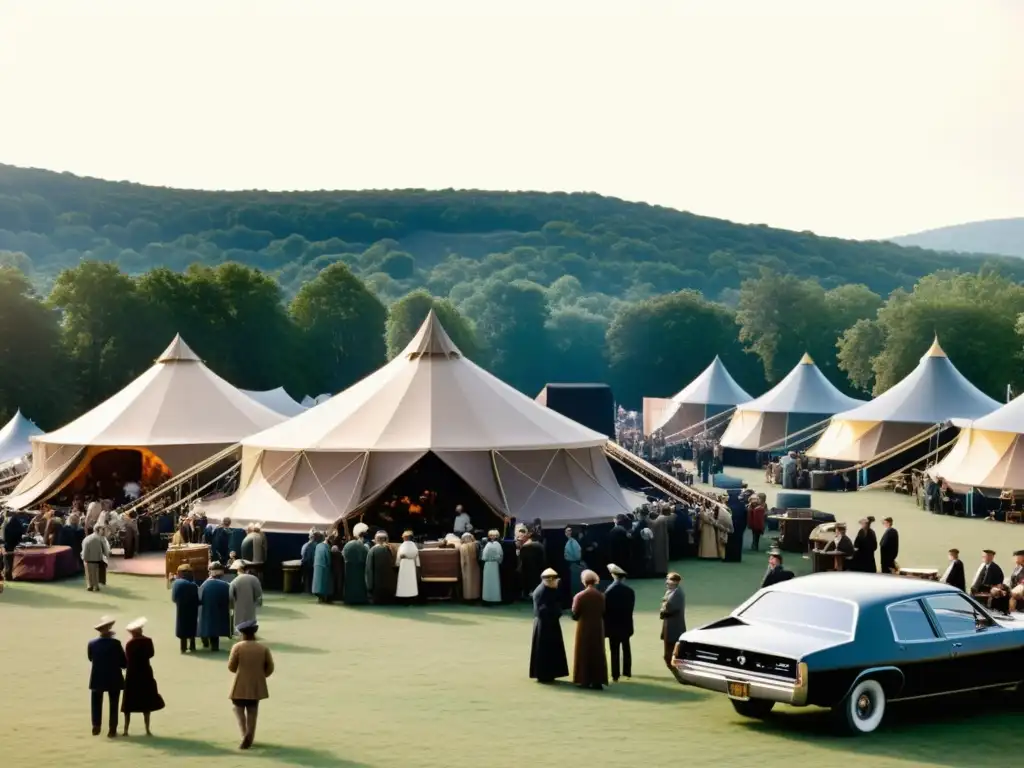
956, 614
795, 609
910, 623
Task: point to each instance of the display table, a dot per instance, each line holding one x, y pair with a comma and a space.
195, 555
44, 563
291, 570
440, 571
795, 529
827, 561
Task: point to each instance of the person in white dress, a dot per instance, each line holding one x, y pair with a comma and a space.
492, 556
408, 562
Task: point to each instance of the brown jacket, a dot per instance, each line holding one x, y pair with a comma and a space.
252, 664
589, 664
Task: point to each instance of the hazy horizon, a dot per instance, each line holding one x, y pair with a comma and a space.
871, 121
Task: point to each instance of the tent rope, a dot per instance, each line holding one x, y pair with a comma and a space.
706, 424
538, 483
621, 502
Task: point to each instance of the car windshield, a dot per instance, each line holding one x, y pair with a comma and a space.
793, 609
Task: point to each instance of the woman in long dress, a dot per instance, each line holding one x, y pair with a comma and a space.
323, 584
408, 562
547, 651
492, 557
589, 663
354, 554
469, 558
140, 691
864, 547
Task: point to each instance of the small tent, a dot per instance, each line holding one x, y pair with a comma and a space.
15, 438
277, 400
713, 392
428, 404
802, 399
933, 393
989, 452
174, 415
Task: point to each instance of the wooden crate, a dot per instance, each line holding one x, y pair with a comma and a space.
196, 555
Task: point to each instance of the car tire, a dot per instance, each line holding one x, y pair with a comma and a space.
863, 708
758, 709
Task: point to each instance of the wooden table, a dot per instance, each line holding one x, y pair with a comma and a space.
292, 569
928, 574
195, 555
827, 561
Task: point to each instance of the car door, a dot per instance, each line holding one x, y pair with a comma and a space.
922, 654
982, 652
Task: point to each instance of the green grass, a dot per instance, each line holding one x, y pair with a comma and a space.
448, 686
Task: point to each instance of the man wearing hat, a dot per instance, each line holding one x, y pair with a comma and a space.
988, 575
619, 602
954, 574
672, 614
547, 650
214, 608
775, 572
106, 654
841, 543
185, 595
354, 554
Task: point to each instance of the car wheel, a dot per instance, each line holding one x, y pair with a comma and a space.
755, 708
863, 708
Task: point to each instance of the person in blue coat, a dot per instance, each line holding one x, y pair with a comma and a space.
106, 654
214, 608
185, 595
323, 584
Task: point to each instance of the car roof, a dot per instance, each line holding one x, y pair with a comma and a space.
863, 588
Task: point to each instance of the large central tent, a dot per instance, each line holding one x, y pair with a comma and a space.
933, 393
523, 460
713, 392
989, 452
15, 438
779, 419
174, 415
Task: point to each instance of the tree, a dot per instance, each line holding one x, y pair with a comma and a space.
578, 346
31, 356
407, 314
512, 323
343, 327
657, 346
858, 347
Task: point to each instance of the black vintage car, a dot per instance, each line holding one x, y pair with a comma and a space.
852, 642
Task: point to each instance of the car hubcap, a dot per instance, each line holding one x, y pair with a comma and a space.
863, 706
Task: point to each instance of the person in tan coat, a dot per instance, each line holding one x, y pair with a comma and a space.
252, 664
469, 557
589, 663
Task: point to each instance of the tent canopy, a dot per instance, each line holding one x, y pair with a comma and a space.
15, 438
804, 390
713, 391
277, 400
178, 401
934, 392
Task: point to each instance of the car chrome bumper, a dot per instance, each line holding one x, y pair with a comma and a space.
712, 677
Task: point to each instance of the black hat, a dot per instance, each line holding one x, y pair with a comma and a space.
773, 552
1019, 553
988, 552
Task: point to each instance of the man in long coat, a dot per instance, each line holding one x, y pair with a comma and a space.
106, 655
547, 650
246, 593
337, 566
220, 546
619, 602
888, 546
589, 665
469, 561
214, 608
381, 576
531, 563
619, 541
673, 615
323, 584
185, 595
355, 553
662, 528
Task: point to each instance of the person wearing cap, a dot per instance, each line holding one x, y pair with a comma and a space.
323, 582
140, 690
185, 595
841, 543
954, 573
864, 547
619, 603
252, 663
547, 649
106, 655
220, 542
888, 546
354, 553
775, 572
672, 615
407, 560
95, 548
589, 664
988, 575
492, 556
246, 594
1016, 582
214, 608
469, 568
381, 577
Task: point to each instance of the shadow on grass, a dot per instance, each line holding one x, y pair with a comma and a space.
423, 613
920, 733
272, 610
17, 594
634, 690
283, 755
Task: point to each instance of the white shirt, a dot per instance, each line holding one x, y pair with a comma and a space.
132, 490
463, 524
945, 575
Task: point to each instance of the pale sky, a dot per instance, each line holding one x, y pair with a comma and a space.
887, 117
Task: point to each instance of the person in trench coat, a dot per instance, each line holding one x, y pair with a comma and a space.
589, 663
547, 651
252, 663
185, 595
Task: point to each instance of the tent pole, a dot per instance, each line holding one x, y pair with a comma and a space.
501, 490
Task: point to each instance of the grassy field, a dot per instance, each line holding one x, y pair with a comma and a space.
448, 686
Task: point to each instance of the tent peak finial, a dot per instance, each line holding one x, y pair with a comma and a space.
431, 340
178, 352
806, 359
935, 350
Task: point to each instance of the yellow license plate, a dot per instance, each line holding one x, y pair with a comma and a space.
739, 690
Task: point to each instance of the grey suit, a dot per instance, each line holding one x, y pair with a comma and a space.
673, 620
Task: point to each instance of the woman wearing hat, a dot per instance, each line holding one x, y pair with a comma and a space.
547, 651
252, 663
140, 691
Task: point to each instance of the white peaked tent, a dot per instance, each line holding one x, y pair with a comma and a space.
933, 393
520, 458
15, 438
178, 413
714, 391
803, 398
989, 453
277, 400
